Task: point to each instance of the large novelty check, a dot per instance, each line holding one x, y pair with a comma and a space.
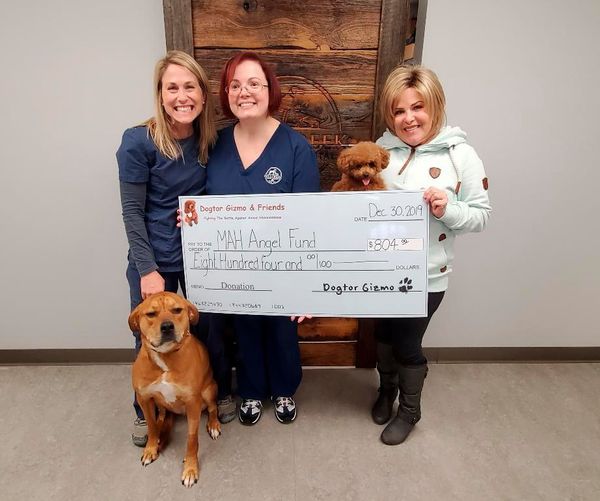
356, 254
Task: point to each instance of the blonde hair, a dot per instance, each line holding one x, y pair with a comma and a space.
204, 125
425, 82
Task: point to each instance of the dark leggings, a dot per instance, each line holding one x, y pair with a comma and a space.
405, 335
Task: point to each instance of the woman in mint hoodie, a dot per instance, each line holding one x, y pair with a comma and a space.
423, 155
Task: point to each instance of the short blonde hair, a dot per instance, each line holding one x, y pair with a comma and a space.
204, 124
425, 82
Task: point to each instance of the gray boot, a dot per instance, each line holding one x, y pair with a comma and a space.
409, 409
388, 384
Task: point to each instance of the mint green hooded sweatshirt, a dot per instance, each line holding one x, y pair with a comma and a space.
449, 163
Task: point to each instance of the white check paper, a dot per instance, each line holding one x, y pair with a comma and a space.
354, 254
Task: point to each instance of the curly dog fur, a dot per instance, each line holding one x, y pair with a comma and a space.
360, 166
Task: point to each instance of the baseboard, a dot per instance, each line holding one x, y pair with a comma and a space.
434, 355
514, 354
68, 356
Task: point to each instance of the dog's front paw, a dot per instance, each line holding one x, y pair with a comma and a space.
150, 455
213, 429
190, 473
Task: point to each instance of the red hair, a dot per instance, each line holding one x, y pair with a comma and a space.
227, 77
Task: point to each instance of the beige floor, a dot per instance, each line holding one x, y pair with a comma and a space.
489, 432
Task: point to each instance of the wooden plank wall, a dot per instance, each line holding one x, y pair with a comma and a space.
324, 53
331, 57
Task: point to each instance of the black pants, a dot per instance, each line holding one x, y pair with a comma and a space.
405, 335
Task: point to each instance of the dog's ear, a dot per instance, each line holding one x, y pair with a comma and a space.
384, 156
193, 313
134, 319
343, 161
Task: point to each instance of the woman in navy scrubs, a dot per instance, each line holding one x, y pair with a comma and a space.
259, 154
159, 160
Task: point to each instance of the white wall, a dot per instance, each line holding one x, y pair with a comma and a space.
521, 78
75, 74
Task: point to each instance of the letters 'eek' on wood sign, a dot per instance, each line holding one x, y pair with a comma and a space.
332, 58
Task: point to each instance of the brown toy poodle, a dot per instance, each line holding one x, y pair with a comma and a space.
360, 166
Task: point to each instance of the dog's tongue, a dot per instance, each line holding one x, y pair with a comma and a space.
366, 181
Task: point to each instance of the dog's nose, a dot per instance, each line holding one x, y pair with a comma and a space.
167, 329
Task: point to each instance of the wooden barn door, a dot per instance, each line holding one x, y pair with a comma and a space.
331, 57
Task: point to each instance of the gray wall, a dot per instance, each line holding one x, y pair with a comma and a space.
521, 78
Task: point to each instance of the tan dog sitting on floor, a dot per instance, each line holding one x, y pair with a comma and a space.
360, 166
172, 373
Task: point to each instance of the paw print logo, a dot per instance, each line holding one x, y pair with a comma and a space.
405, 285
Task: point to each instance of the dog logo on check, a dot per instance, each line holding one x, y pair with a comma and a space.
273, 175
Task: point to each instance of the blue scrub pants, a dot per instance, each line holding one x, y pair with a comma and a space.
268, 356
220, 350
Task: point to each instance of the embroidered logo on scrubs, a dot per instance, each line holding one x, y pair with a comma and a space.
273, 175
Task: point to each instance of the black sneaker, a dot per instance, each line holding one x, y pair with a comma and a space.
285, 409
250, 411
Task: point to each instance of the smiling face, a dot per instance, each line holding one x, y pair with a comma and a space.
182, 99
248, 104
412, 121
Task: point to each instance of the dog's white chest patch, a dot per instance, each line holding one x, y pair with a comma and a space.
166, 389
